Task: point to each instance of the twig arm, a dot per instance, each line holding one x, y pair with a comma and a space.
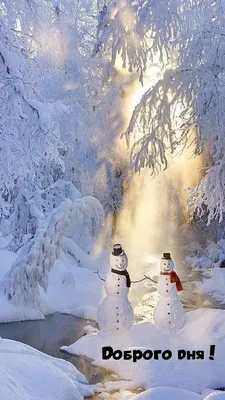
143, 279
147, 277
96, 272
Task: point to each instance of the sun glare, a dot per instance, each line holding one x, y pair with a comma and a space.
154, 211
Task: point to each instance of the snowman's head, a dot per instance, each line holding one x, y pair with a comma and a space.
166, 264
119, 262
118, 258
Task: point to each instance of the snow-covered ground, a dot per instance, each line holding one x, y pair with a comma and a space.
213, 277
28, 374
168, 393
72, 289
213, 283
204, 327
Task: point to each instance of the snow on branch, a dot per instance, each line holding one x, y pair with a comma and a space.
35, 260
118, 34
139, 30
148, 151
209, 193
163, 122
186, 107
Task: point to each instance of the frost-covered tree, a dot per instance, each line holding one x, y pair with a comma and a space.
31, 269
185, 106
44, 120
29, 124
46, 142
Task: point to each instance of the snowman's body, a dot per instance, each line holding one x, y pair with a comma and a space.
168, 313
115, 314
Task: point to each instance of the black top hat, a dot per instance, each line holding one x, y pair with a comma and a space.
166, 256
117, 250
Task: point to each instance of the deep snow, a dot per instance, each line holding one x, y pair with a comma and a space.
72, 289
213, 277
77, 290
28, 374
168, 393
204, 327
213, 283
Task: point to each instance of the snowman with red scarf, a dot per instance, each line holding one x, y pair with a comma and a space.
168, 313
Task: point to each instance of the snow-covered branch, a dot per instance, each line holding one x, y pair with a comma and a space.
186, 106
30, 270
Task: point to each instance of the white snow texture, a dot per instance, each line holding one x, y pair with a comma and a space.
28, 374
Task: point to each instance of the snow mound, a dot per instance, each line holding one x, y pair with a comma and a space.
215, 396
28, 374
166, 393
71, 290
213, 283
203, 328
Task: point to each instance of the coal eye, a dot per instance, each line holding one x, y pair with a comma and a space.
164, 263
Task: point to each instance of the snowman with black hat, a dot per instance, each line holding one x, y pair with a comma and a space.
115, 314
168, 313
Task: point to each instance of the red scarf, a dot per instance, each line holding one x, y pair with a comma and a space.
174, 278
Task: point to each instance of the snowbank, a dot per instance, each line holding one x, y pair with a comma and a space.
168, 393
164, 393
71, 290
215, 396
213, 277
213, 283
28, 374
204, 327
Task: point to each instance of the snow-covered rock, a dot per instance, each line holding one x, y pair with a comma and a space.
28, 374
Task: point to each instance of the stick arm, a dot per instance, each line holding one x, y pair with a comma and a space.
147, 277
96, 272
140, 280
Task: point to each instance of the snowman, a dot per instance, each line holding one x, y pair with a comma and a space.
168, 313
115, 314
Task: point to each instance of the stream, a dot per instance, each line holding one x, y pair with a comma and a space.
49, 335
61, 329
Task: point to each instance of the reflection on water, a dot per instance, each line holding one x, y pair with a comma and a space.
49, 335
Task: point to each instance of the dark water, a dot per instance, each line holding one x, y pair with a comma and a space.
49, 335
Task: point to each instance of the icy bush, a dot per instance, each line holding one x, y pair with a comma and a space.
29, 208
31, 269
210, 257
